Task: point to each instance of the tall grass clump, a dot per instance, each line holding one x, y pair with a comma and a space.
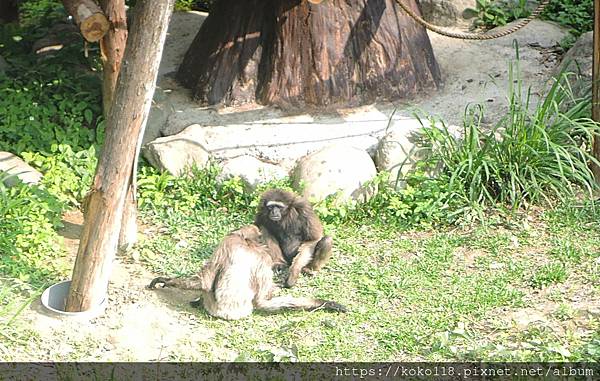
527, 157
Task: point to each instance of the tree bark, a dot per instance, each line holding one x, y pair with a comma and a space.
92, 23
125, 123
112, 47
294, 53
129, 228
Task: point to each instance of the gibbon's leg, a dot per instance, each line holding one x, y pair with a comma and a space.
191, 283
201, 281
312, 256
321, 256
263, 299
301, 260
300, 303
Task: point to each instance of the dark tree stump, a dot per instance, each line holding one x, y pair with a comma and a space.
9, 11
290, 53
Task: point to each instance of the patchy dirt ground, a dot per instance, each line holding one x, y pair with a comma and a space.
143, 325
138, 324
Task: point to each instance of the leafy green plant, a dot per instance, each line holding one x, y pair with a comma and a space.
31, 250
190, 5
491, 13
184, 5
153, 187
199, 190
67, 174
47, 106
527, 157
577, 15
564, 312
423, 200
591, 350
46, 100
568, 41
41, 13
50, 113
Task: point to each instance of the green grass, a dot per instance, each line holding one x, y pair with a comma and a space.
411, 295
15, 334
418, 285
413, 292
550, 273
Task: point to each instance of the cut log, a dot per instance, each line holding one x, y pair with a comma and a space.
88, 16
125, 123
292, 53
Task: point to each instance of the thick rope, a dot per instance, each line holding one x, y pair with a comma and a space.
475, 36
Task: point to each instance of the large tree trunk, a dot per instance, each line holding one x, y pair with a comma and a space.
128, 115
291, 52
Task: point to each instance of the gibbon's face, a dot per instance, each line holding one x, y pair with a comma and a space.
276, 210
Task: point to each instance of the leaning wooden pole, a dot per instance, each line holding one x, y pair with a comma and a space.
112, 48
596, 87
125, 122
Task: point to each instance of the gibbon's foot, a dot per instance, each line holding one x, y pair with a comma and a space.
309, 272
275, 289
289, 283
334, 306
279, 267
196, 303
162, 281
